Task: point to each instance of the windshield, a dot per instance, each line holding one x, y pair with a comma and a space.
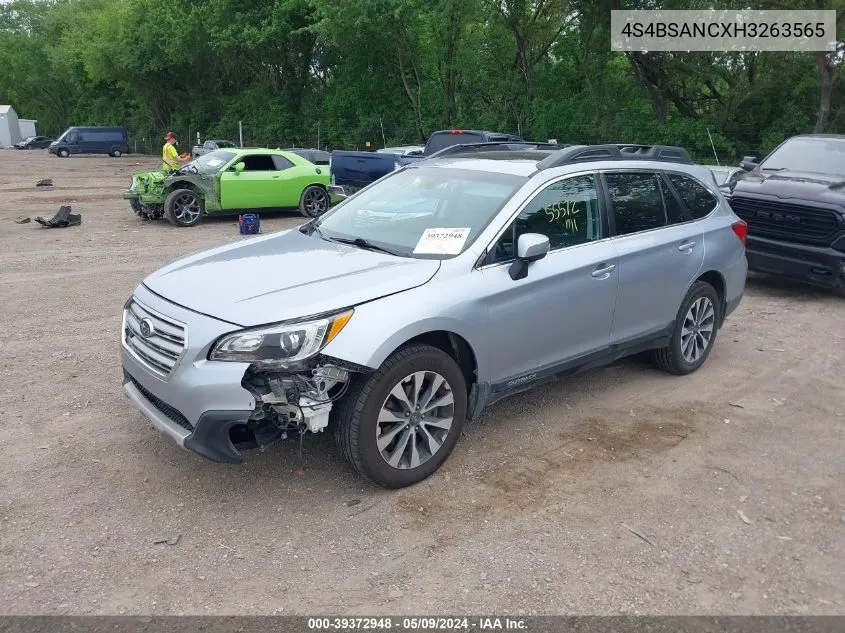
424, 212
815, 155
225, 144
210, 163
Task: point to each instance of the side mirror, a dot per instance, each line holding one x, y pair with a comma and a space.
239, 167
530, 247
748, 162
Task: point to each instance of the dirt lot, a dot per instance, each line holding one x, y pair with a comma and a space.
734, 476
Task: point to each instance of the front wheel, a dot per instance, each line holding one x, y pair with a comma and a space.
694, 333
314, 202
63, 153
399, 424
183, 207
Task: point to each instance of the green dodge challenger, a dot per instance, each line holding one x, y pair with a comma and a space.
231, 181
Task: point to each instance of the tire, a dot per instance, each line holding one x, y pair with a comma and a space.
63, 153
688, 349
313, 202
117, 153
356, 417
184, 207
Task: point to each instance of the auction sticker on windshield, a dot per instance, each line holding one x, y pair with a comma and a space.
441, 241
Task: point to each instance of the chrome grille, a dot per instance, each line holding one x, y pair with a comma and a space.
783, 220
155, 340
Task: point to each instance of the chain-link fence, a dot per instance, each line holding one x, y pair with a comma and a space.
704, 147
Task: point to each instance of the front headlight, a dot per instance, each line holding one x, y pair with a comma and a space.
280, 344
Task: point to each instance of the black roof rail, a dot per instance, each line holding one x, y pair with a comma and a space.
583, 153
494, 146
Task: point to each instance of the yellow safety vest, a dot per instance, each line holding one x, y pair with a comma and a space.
169, 155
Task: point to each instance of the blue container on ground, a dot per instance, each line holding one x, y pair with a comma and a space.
249, 224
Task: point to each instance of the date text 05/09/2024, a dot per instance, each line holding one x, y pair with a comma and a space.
417, 624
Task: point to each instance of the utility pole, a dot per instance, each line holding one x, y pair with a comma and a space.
318, 135
383, 141
241, 132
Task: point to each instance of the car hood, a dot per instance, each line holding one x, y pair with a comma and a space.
147, 181
284, 276
792, 185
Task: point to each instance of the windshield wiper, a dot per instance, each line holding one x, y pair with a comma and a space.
360, 242
772, 168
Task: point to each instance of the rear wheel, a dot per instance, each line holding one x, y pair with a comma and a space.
314, 202
117, 153
183, 207
399, 424
694, 332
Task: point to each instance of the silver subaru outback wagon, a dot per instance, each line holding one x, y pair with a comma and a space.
409, 307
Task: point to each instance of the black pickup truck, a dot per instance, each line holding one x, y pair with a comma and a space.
794, 203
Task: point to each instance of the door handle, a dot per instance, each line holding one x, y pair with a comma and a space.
603, 271
276, 176
687, 247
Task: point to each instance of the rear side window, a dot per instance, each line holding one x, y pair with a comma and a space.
675, 213
637, 201
100, 136
282, 162
699, 201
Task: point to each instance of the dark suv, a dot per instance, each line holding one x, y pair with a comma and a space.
794, 204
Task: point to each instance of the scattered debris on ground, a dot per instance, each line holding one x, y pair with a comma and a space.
62, 219
46, 182
636, 533
22, 219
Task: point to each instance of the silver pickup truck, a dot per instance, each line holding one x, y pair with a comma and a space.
210, 146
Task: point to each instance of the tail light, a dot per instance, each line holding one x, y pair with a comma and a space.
456, 131
740, 227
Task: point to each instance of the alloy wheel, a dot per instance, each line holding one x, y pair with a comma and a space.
316, 201
186, 208
415, 419
697, 329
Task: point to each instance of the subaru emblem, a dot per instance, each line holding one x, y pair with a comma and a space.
147, 328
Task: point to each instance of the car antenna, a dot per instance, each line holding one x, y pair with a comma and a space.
714, 148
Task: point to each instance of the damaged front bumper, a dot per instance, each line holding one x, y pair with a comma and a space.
210, 436
217, 409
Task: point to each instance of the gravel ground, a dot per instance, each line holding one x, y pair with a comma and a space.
623, 490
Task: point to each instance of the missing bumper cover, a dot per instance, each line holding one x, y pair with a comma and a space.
293, 402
